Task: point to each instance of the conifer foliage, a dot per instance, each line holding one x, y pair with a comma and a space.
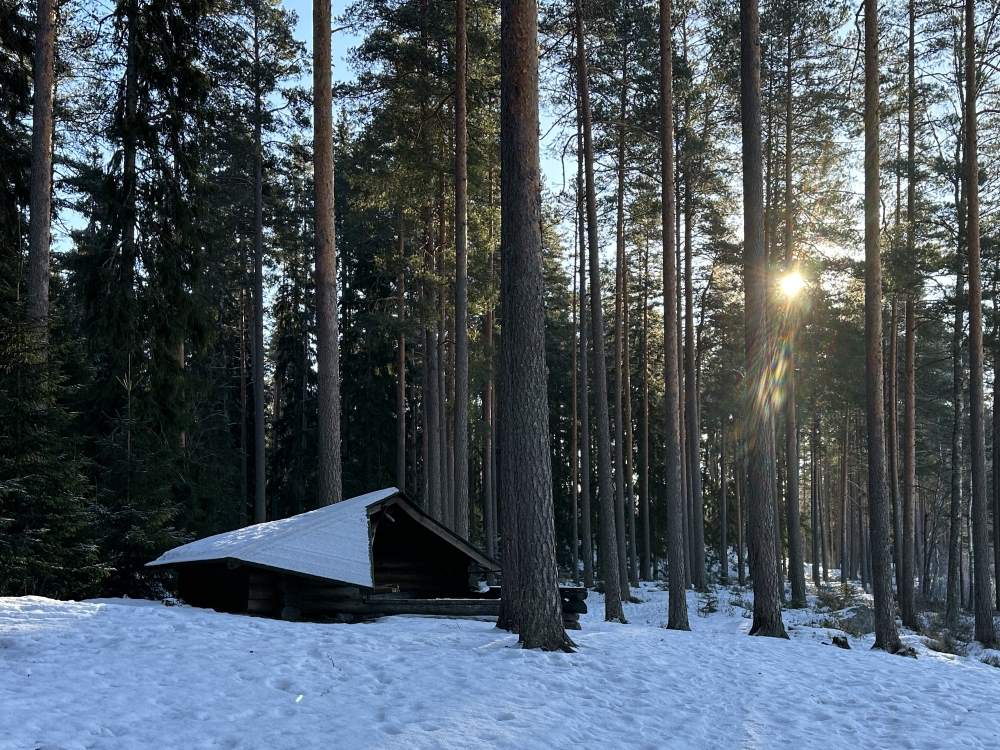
692, 289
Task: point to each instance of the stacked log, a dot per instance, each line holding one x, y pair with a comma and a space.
574, 604
263, 593
296, 597
304, 597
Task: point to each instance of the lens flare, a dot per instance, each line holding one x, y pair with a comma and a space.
792, 284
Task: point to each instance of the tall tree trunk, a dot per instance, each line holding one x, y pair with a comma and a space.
401, 363
723, 510
489, 465
985, 631
844, 544
327, 337
677, 609
461, 405
259, 458
892, 445
996, 476
574, 446
128, 187
40, 197
886, 636
739, 472
691, 417
445, 477
759, 433
796, 571
432, 391
953, 589
645, 568
583, 398
682, 423
907, 606
824, 518
633, 567
244, 468
610, 569
770, 251
814, 496
620, 479
524, 461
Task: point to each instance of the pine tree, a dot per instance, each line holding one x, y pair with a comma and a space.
608, 547
983, 592
524, 489
328, 360
764, 564
886, 636
40, 212
677, 614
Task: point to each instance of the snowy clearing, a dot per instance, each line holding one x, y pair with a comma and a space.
132, 674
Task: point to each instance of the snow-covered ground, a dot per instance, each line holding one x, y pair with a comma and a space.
131, 674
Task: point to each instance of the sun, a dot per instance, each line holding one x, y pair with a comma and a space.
791, 284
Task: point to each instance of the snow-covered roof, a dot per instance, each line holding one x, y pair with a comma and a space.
329, 542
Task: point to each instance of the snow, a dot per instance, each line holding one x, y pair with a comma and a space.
330, 542
127, 674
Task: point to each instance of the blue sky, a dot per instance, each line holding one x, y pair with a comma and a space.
343, 41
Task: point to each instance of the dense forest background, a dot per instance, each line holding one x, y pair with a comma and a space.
137, 430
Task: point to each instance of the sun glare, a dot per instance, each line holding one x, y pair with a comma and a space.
792, 284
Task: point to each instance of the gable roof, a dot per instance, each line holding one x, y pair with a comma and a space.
332, 542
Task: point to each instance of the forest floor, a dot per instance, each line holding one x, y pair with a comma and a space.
134, 674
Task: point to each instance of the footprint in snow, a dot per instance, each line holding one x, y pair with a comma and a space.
282, 683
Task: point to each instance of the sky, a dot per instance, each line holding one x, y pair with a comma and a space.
344, 40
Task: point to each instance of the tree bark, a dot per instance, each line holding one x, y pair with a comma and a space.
739, 472
489, 465
330, 477
796, 571
675, 500
814, 505
985, 631
904, 580
633, 557
401, 363
723, 510
574, 446
445, 478
432, 392
953, 588
844, 546
691, 416
907, 606
461, 405
259, 458
892, 447
610, 568
996, 477
40, 190
681, 421
524, 460
645, 568
824, 519
619, 416
759, 433
886, 636
583, 398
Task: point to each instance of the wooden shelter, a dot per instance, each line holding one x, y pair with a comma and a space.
375, 554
